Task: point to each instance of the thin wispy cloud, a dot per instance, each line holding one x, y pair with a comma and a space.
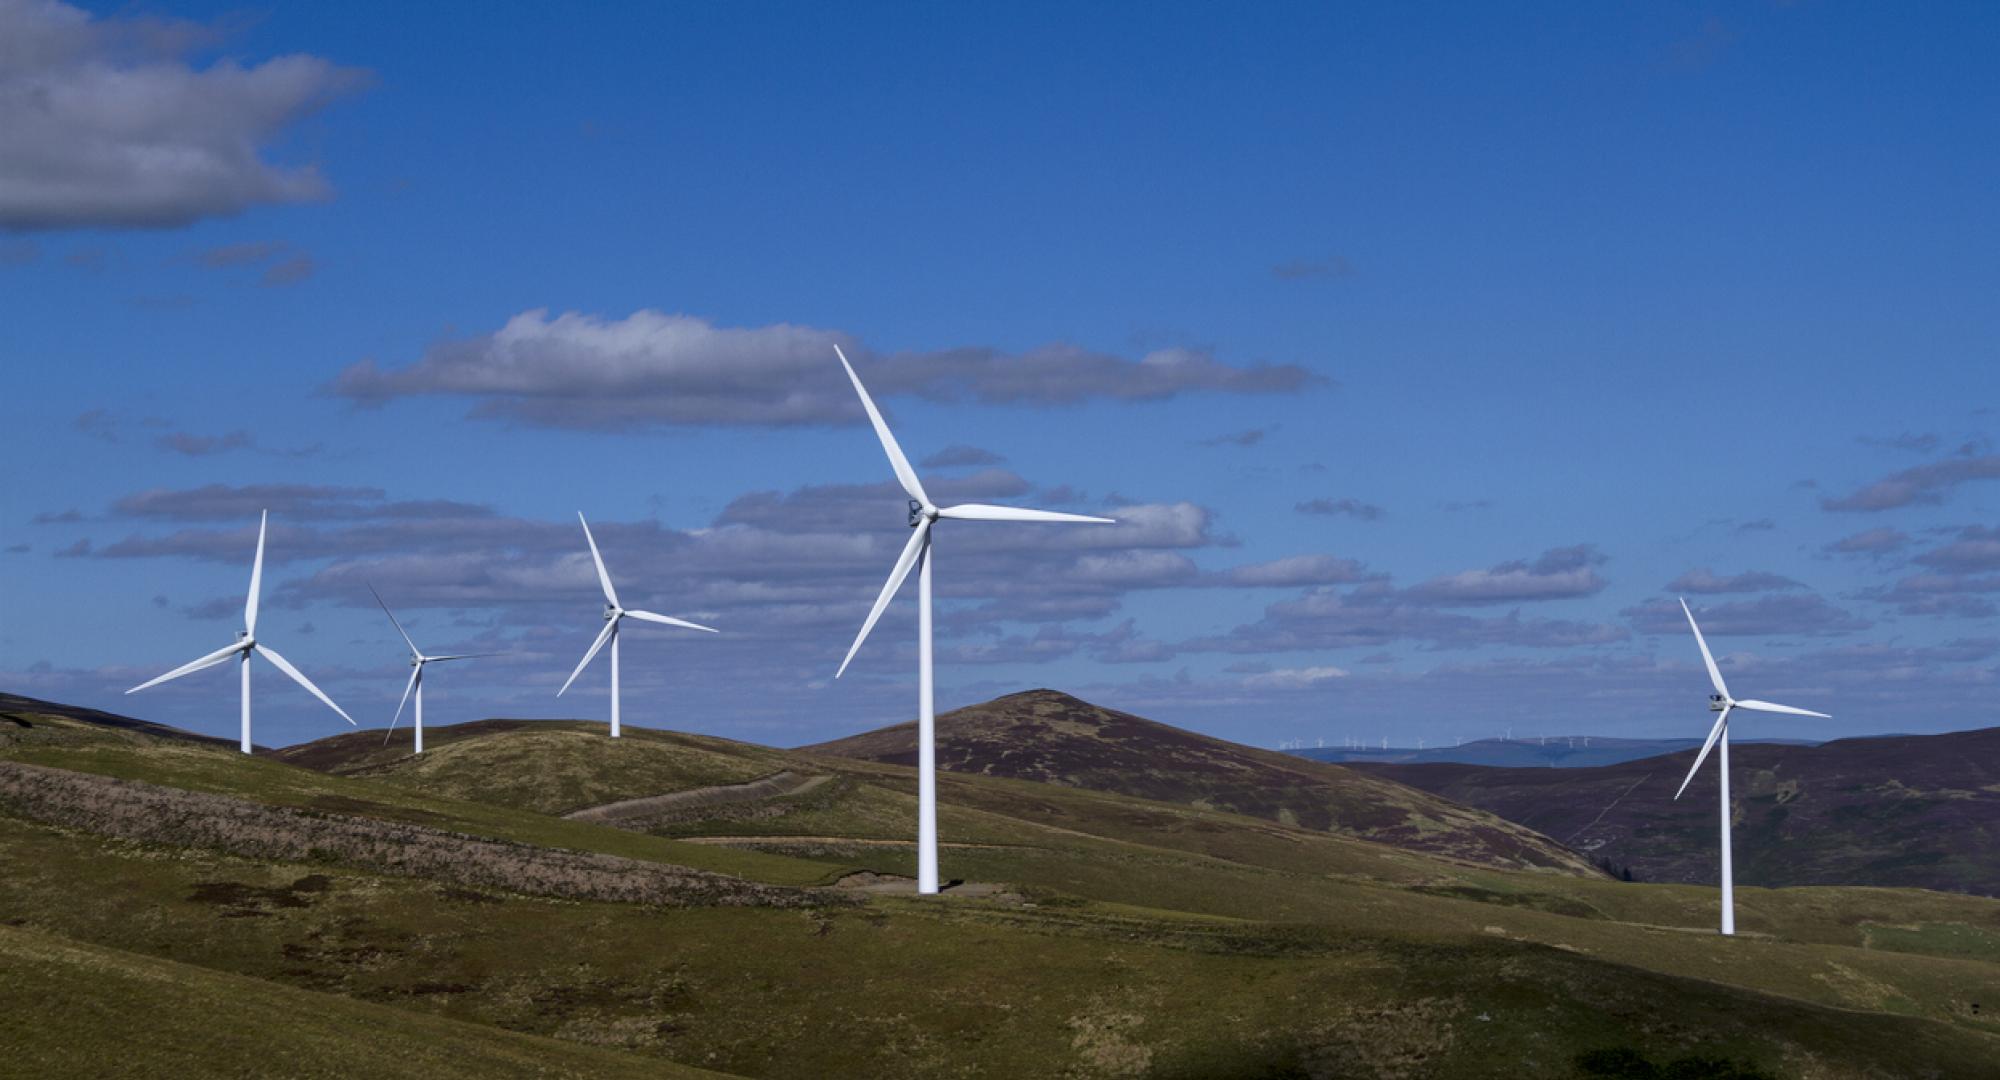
280, 263
1801, 614
958, 456
1242, 439
191, 445
1354, 508
1974, 548
1873, 542
1705, 582
653, 369
1557, 574
1913, 442
1924, 485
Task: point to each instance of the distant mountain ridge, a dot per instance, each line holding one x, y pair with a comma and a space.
1915, 810
1052, 737
1561, 752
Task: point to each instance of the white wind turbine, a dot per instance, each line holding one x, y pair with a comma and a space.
613, 615
1721, 702
416, 683
247, 643
923, 515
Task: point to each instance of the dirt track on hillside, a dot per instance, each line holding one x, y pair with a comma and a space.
627, 812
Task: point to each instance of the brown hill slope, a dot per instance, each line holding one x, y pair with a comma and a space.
1051, 737
1915, 810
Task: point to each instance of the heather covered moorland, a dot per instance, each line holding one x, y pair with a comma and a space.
756, 921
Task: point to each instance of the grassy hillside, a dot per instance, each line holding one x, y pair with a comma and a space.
19, 713
1395, 986
1053, 738
1917, 810
120, 1014
1107, 936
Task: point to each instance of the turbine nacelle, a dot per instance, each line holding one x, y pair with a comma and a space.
1721, 702
245, 644
920, 513
615, 613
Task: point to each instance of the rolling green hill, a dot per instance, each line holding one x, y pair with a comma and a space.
1099, 934
1053, 738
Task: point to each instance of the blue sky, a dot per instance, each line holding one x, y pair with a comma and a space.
1426, 351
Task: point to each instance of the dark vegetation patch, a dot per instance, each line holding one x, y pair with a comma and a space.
1625, 1063
134, 810
466, 896
241, 900
1557, 905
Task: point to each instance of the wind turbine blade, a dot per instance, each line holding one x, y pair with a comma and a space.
1765, 706
668, 620
189, 668
603, 576
416, 672
901, 571
414, 651
285, 666
462, 656
1706, 747
1714, 673
983, 512
603, 636
256, 578
904, 474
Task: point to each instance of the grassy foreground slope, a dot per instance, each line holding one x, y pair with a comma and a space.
1115, 936
119, 1014
1404, 986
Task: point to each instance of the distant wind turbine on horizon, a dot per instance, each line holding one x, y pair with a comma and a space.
1721, 702
924, 514
416, 683
613, 615
246, 644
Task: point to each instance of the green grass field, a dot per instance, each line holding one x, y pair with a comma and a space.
1113, 936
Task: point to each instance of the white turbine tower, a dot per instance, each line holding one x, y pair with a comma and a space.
1721, 702
923, 515
247, 643
416, 683
613, 615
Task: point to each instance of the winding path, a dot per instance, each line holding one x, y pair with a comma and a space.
782, 782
